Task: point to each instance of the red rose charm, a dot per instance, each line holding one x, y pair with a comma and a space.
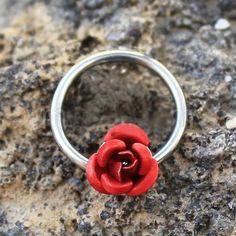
123, 164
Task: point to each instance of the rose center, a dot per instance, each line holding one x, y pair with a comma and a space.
125, 163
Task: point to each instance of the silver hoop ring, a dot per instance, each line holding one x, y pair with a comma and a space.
111, 56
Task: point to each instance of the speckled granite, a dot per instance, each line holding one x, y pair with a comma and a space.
41, 191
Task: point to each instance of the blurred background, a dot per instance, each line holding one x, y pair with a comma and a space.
41, 191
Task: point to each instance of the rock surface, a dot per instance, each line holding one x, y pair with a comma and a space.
41, 191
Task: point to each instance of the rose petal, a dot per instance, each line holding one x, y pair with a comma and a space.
93, 174
108, 149
129, 133
115, 170
145, 182
145, 157
112, 186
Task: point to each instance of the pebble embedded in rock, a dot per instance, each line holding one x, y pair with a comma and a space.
222, 24
231, 124
228, 78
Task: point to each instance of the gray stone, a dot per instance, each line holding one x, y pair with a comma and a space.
222, 24
41, 191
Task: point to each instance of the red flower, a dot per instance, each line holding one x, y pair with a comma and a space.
123, 164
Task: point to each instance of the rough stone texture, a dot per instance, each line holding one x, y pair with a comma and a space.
41, 191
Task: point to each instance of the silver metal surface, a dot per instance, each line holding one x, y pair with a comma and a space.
111, 56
